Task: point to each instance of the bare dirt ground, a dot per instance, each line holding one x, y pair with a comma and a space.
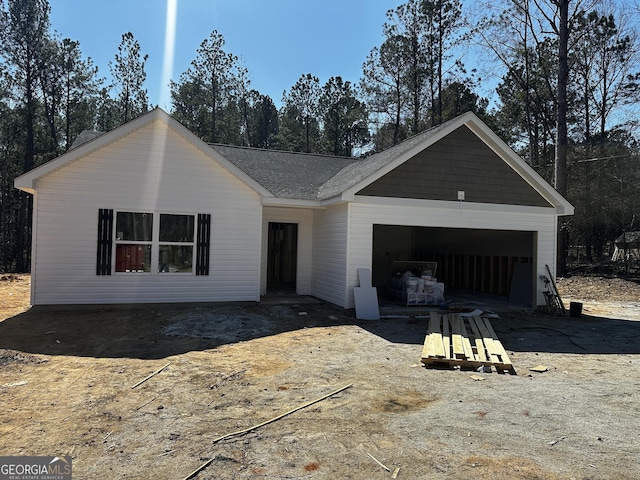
66, 378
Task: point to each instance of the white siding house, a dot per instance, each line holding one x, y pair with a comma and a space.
149, 213
150, 169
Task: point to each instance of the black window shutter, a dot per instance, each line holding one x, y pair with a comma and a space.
202, 246
105, 241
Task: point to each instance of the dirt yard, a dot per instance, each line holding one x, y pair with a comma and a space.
67, 378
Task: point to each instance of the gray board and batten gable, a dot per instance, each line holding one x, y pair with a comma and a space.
459, 161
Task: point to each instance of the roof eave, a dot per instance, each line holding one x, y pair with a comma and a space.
292, 203
25, 185
565, 210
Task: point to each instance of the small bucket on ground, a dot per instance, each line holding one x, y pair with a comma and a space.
575, 309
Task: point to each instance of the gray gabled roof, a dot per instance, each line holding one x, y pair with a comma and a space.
312, 176
84, 137
292, 175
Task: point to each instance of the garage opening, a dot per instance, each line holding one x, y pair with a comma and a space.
490, 262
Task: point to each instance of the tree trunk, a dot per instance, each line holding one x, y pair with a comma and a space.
396, 125
214, 109
561, 131
307, 131
438, 109
24, 215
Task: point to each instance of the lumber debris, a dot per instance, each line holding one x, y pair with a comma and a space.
149, 376
20, 383
255, 427
466, 342
147, 403
539, 369
379, 462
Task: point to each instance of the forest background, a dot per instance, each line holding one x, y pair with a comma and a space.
565, 92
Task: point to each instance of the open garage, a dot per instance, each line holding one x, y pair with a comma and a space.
493, 262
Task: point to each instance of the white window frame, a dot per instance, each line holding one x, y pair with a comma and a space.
154, 243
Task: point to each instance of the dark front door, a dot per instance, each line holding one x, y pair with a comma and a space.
282, 256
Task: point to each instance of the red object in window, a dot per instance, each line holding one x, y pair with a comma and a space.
131, 258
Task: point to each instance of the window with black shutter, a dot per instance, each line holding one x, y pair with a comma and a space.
140, 239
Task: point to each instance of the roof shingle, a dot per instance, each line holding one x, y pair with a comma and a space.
308, 176
286, 174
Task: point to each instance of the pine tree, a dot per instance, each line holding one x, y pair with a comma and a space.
128, 79
205, 92
25, 27
344, 118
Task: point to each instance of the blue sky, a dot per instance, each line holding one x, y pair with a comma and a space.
278, 40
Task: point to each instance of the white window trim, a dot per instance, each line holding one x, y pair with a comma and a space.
155, 243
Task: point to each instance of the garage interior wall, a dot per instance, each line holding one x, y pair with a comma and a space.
479, 260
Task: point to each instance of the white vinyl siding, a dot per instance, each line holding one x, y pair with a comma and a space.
330, 254
304, 219
152, 169
451, 215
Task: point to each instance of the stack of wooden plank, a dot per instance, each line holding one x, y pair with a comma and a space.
468, 342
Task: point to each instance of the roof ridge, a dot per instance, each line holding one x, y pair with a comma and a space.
276, 150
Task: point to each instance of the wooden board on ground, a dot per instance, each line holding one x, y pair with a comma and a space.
465, 342
433, 345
